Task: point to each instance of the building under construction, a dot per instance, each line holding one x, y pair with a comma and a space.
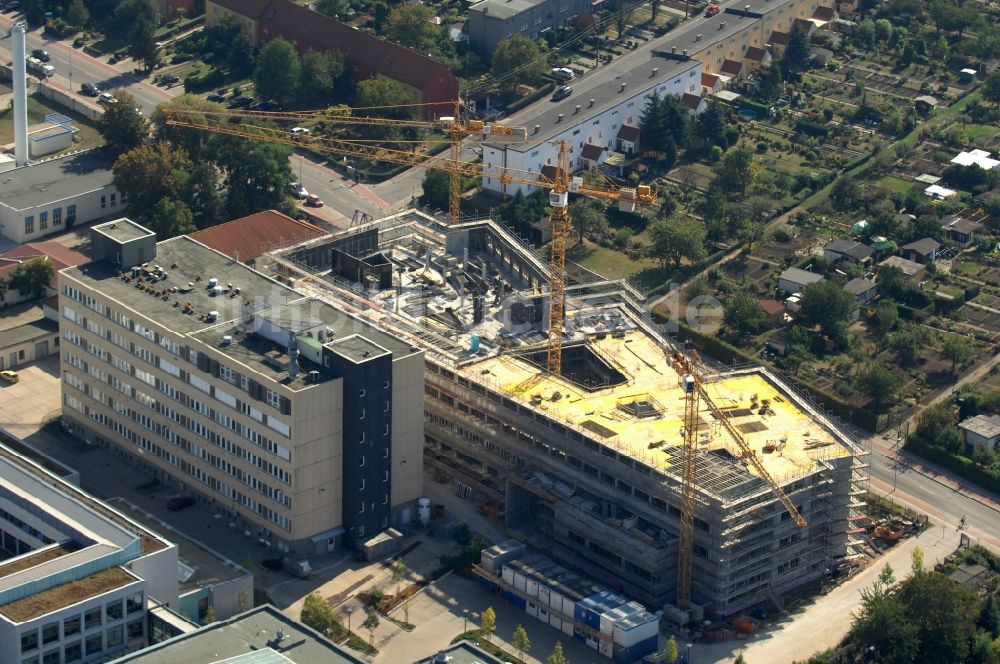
586, 466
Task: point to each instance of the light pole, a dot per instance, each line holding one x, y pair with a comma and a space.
688, 654
349, 610
465, 621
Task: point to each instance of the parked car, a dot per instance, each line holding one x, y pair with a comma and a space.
562, 93
41, 54
9, 376
264, 106
216, 97
240, 102
300, 130
297, 189
177, 503
312, 200
170, 79
106, 98
89, 89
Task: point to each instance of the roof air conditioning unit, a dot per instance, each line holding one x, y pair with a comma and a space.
559, 118
654, 72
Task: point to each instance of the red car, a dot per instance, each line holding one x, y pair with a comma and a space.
312, 200
712, 10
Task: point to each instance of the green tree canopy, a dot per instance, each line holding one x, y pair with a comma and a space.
588, 218
676, 238
937, 426
743, 314
521, 58
991, 89
826, 304
142, 42
278, 71
878, 383
318, 614
257, 175
956, 349
122, 124
737, 170
797, 52
371, 623
520, 641
392, 98
319, 73
488, 622
557, 656
170, 217
411, 26
437, 185
886, 317
845, 194
32, 276
149, 173
77, 15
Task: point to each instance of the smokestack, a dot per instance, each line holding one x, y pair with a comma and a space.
18, 56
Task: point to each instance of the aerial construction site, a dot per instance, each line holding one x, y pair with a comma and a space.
587, 464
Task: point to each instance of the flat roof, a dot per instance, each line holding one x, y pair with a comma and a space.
248, 638
800, 276
56, 179
123, 230
987, 426
655, 439
74, 592
504, 9
29, 331
463, 652
186, 262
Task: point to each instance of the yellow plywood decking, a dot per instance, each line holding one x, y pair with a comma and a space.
652, 381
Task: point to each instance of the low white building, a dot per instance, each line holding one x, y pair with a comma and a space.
590, 116
981, 431
50, 196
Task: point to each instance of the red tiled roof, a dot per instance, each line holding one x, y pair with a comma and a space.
252, 236
823, 14
549, 172
731, 67
592, 151
771, 307
755, 54
61, 256
778, 37
628, 133
365, 53
691, 101
709, 80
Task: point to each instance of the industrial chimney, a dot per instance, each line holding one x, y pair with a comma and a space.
18, 56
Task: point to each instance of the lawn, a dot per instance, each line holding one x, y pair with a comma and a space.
978, 131
38, 107
607, 262
893, 183
968, 268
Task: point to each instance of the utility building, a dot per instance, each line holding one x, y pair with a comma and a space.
300, 420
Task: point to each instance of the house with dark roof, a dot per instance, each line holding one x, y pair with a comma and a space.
592, 154
959, 230
921, 251
847, 251
732, 69
794, 279
756, 57
822, 16
61, 257
820, 55
778, 40
774, 309
628, 139
695, 104
862, 290
909, 268
429, 81
710, 83
248, 238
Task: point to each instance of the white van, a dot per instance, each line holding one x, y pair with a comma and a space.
562, 74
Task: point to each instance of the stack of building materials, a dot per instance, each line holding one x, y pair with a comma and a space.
494, 557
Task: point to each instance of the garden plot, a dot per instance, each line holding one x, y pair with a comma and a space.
981, 319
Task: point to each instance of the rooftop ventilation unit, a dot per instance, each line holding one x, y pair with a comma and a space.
622, 89
559, 118
591, 104
213, 316
213, 282
697, 37
226, 340
654, 72
576, 110
538, 128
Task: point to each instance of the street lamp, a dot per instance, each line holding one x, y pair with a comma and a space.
465, 621
688, 654
349, 610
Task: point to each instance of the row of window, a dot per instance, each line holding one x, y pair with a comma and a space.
92, 618
57, 219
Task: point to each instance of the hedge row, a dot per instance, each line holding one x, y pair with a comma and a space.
962, 465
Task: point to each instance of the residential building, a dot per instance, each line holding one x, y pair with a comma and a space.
79, 578
291, 415
909, 268
695, 104
248, 238
628, 139
980, 158
981, 431
821, 56
28, 333
57, 254
492, 21
170, 9
50, 196
960, 230
847, 251
863, 290
429, 81
757, 57
922, 251
710, 84
794, 279
732, 69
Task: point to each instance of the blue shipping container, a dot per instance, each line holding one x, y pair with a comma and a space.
579, 636
634, 653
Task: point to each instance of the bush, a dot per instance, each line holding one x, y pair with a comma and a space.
762, 147
811, 128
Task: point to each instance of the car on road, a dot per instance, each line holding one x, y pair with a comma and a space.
297, 189
301, 130
562, 93
216, 97
177, 503
240, 102
9, 376
89, 89
41, 54
312, 200
106, 98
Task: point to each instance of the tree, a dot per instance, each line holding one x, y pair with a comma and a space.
371, 623
878, 383
864, 32
318, 614
34, 12
957, 349
385, 93
588, 218
845, 194
257, 175
739, 659
122, 124
797, 52
826, 304
883, 31
770, 87
736, 171
488, 623
318, 74
32, 276
743, 314
557, 656
991, 89
886, 317
381, 16
171, 217
521, 642
944, 614
148, 174
334, 8
713, 124
398, 574
937, 427
437, 185
278, 71
675, 238
917, 560
411, 26
518, 60
671, 651
622, 11
142, 42
77, 14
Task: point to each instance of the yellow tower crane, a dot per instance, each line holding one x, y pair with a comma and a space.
232, 123
454, 126
689, 369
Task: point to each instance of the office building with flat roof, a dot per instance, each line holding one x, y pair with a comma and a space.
303, 422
